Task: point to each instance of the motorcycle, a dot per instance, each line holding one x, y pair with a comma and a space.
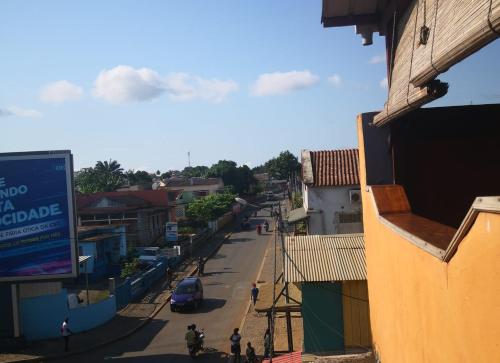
198, 347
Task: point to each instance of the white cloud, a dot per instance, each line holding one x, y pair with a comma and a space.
60, 91
19, 112
184, 87
280, 83
384, 83
376, 59
125, 84
335, 80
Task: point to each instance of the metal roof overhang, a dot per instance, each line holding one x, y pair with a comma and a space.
350, 12
322, 258
296, 215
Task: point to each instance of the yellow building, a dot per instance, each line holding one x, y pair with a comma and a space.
430, 182
432, 238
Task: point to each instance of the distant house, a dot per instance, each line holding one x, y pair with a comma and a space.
144, 212
330, 192
189, 189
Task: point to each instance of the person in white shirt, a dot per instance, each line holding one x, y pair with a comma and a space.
66, 332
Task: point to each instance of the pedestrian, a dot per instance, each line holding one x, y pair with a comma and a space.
170, 276
267, 343
254, 292
250, 353
235, 345
66, 332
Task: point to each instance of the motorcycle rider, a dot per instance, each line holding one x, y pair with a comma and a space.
201, 266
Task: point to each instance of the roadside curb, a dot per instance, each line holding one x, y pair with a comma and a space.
131, 331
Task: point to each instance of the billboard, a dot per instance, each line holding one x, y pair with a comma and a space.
171, 232
37, 220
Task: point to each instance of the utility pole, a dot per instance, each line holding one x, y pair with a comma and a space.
189, 158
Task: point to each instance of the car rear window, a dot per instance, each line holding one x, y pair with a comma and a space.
185, 289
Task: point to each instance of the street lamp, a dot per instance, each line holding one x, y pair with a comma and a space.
279, 229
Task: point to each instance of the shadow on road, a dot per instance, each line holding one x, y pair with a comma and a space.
238, 240
212, 356
215, 273
208, 306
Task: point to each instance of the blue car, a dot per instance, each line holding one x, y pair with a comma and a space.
187, 294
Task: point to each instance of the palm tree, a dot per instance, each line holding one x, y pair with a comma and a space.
109, 174
112, 167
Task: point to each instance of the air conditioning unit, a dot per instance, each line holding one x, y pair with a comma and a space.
355, 196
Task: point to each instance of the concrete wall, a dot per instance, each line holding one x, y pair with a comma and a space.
42, 316
423, 309
323, 203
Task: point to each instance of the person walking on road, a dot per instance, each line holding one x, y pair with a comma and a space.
66, 332
267, 343
254, 292
170, 276
250, 353
235, 345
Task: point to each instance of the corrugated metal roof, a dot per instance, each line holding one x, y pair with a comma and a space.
316, 258
296, 215
335, 167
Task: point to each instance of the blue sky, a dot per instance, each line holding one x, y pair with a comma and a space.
146, 82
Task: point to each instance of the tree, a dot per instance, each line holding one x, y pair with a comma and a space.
138, 177
199, 171
239, 178
210, 207
283, 166
103, 177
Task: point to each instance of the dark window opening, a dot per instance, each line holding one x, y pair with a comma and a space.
446, 157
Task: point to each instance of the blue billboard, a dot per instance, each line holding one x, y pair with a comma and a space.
37, 229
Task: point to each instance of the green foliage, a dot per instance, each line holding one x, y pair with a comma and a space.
138, 177
103, 177
283, 166
195, 171
130, 268
240, 178
297, 200
187, 230
210, 207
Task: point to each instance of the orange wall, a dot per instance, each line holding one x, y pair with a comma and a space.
425, 310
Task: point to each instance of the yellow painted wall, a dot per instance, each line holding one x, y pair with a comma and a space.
426, 310
357, 332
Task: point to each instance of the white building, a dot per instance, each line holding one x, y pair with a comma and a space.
330, 192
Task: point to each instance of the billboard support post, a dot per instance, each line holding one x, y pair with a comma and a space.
15, 310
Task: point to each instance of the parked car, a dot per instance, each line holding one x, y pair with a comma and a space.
187, 294
149, 255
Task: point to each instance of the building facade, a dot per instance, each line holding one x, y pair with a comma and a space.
330, 191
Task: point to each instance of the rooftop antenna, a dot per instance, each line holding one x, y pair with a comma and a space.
189, 158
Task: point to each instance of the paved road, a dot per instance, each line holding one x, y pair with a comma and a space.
227, 282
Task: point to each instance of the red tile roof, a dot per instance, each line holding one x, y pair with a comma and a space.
151, 198
335, 167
